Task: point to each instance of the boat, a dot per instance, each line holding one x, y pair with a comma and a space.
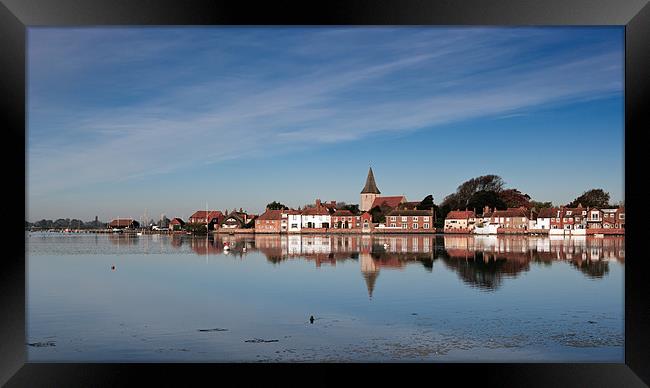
226, 247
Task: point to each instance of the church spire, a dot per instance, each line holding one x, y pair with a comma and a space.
371, 186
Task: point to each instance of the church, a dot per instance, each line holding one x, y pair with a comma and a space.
370, 195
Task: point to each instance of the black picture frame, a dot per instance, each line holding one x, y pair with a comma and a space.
17, 15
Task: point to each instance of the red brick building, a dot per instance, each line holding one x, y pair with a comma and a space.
211, 217
411, 220
344, 219
272, 221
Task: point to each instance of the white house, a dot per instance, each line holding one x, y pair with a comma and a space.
316, 217
295, 221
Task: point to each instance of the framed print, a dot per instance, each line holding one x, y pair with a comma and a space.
364, 188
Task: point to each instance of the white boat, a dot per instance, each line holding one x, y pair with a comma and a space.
226, 247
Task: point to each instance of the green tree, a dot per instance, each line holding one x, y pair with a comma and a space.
275, 205
515, 198
426, 203
460, 199
484, 198
352, 208
541, 205
592, 198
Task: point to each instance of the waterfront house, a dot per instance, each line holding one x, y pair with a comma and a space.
316, 217
272, 221
614, 218
344, 219
294, 218
594, 218
366, 222
544, 218
211, 217
511, 218
460, 220
410, 220
176, 224
234, 220
124, 223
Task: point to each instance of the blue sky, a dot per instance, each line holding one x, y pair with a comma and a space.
123, 120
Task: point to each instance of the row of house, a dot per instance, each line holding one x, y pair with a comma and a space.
562, 220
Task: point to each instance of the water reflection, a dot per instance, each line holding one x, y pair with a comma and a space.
479, 261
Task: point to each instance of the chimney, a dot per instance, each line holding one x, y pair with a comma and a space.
318, 204
240, 210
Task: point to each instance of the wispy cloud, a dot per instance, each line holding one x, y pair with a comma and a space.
99, 101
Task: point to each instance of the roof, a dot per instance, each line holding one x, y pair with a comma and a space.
271, 215
315, 211
371, 186
340, 213
388, 201
207, 214
177, 221
460, 214
549, 212
407, 212
122, 222
511, 212
409, 205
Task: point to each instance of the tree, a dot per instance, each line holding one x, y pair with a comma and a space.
275, 205
426, 203
484, 198
352, 208
541, 205
592, 198
460, 199
515, 198
378, 213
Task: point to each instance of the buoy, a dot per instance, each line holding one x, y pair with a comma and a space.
311, 319
113, 267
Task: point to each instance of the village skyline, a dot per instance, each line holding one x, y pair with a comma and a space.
163, 120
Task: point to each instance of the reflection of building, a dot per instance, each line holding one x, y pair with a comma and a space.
369, 271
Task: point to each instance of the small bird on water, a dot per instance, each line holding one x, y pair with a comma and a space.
311, 319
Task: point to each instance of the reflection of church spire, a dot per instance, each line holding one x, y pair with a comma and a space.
369, 271
371, 278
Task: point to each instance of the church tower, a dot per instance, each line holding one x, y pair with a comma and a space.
369, 192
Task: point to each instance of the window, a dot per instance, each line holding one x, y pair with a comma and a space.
393, 218
391, 225
426, 226
405, 226
426, 218
415, 218
415, 226
621, 216
405, 219
568, 213
507, 219
294, 225
584, 212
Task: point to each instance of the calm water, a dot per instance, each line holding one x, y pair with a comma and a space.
418, 298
